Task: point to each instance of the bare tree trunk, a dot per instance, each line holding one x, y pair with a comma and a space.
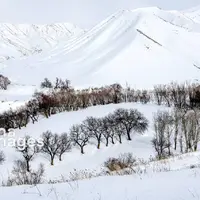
52, 160
82, 151
107, 141
112, 140
27, 165
120, 139
60, 157
99, 144
129, 136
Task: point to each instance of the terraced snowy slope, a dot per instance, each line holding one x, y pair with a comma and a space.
18, 40
142, 47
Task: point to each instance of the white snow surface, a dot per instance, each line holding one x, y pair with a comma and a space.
166, 186
142, 47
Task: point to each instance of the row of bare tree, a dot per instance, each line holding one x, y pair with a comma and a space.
177, 95
123, 122
178, 130
62, 97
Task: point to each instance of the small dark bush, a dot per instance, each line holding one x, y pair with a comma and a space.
46, 84
4, 82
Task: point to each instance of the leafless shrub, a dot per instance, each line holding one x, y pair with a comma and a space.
123, 161
82, 174
162, 166
20, 175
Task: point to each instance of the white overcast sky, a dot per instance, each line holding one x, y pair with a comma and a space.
84, 13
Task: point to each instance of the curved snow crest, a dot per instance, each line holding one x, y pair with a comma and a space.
17, 40
142, 47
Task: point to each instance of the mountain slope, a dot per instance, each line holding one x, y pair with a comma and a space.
18, 40
181, 177
142, 47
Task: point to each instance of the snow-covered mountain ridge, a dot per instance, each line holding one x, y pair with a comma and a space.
147, 42
18, 40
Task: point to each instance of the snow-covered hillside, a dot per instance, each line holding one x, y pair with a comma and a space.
143, 47
93, 159
170, 179
18, 40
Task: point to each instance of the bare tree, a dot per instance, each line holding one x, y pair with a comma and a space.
131, 120
4, 82
64, 145
192, 136
93, 126
184, 136
79, 136
21, 118
158, 94
32, 110
108, 128
28, 148
162, 137
196, 132
51, 145
169, 131
144, 97
62, 84
178, 94
46, 84
116, 91
176, 119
